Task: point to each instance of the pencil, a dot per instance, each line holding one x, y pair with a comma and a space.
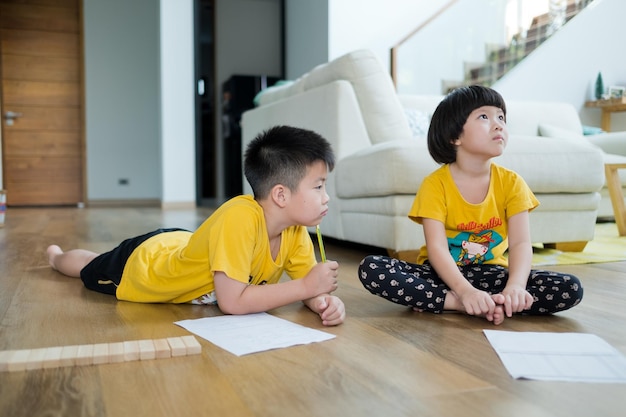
321, 244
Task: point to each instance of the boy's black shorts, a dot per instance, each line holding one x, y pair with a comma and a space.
104, 273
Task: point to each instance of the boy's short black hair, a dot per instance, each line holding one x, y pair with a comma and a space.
282, 155
450, 116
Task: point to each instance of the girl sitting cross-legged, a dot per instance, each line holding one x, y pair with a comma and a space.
472, 211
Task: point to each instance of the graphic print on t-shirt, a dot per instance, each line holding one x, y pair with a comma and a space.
473, 248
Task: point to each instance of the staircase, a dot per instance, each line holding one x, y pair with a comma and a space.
457, 60
502, 58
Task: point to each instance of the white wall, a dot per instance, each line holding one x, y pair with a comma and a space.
122, 94
178, 133
321, 30
435, 58
139, 100
375, 24
307, 35
140, 86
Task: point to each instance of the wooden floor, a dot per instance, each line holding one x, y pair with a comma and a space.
385, 361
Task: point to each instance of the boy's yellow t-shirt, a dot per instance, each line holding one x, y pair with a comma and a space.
477, 233
178, 267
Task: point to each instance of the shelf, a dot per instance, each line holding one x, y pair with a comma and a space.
612, 102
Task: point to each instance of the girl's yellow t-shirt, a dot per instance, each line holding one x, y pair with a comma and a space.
477, 233
178, 267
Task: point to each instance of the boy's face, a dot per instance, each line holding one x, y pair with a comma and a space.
484, 133
309, 204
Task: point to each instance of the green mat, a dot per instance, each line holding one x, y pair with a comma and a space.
606, 246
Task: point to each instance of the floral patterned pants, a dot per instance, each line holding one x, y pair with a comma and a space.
419, 285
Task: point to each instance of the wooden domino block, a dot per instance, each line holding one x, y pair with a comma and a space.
68, 355
146, 350
162, 348
84, 356
177, 346
131, 350
116, 352
96, 354
35, 359
18, 360
5, 355
100, 353
192, 345
52, 357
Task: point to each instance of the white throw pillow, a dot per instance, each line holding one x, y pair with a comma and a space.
557, 132
418, 122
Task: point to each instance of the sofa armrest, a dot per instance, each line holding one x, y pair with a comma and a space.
611, 142
330, 110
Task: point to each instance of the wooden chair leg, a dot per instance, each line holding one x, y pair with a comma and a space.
566, 246
616, 193
404, 255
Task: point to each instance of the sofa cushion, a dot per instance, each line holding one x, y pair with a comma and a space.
394, 167
610, 142
613, 144
555, 165
524, 117
398, 167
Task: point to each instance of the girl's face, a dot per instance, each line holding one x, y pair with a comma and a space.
484, 133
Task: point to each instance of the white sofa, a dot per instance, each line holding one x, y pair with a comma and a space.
613, 145
381, 160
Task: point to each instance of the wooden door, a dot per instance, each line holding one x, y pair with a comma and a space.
41, 102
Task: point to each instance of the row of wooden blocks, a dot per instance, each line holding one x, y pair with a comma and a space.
96, 354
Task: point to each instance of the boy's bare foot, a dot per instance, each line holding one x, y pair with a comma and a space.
52, 251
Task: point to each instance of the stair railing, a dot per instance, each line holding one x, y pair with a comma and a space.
394, 49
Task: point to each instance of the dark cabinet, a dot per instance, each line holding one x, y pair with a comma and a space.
238, 94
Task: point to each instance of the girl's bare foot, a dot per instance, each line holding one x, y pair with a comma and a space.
498, 314
452, 303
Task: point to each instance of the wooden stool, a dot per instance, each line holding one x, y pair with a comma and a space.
617, 196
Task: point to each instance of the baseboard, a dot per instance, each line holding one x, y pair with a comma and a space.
167, 205
178, 205
124, 203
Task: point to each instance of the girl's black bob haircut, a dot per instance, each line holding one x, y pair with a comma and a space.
451, 114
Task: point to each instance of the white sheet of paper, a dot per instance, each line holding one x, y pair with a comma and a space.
577, 357
250, 333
